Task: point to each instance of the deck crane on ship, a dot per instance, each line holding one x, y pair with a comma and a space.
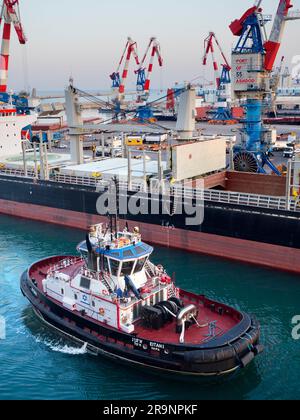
253, 60
222, 79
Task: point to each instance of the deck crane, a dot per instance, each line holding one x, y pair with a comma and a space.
143, 79
222, 79
253, 60
119, 81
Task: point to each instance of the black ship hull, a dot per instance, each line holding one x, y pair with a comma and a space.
244, 233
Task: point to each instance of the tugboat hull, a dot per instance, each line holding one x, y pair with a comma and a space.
208, 360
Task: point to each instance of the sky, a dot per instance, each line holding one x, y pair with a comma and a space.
85, 39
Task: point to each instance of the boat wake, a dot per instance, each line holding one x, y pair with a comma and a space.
73, 351
55, 345
58, 347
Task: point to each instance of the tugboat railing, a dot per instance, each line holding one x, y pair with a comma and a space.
68, 262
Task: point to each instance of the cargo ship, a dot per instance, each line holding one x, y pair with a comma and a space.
117, 303
250, 228
248, 217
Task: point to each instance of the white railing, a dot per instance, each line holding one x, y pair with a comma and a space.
68, 262
17, 172
177, 191
75, 180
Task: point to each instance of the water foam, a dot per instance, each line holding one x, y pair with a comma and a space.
64, 349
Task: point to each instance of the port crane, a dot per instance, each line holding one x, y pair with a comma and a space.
144, 73
119, 80
253, 60
222, 79
10, 15
143, 78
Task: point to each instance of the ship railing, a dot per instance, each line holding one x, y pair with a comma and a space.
17, 173
151, 269
75, 180
68, 262
181, 192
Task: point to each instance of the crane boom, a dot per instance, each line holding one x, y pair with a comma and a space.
119, 81
131, 51
144, 81
272, 46
10, 14
226, 68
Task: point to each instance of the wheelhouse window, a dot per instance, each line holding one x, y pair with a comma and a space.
85, 283
114, 267
140, 265
127, 268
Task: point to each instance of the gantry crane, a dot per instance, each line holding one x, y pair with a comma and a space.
119, 81
253, 60
222, 78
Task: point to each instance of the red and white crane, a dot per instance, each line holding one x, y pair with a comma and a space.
144, 81
209, 48
119, 82
10, 14
273, 44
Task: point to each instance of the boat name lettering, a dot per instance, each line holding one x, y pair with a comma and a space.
157, 346
154, 346
137, 342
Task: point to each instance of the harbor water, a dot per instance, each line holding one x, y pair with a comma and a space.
36, 363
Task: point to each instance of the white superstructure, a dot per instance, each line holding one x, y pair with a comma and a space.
11, 126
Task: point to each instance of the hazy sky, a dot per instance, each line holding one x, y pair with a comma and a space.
86, 38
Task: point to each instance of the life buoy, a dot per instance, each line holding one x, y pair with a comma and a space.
102, 311
105, 293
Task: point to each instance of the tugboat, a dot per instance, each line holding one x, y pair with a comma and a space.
113, 300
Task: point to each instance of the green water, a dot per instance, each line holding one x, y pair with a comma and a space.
37, 364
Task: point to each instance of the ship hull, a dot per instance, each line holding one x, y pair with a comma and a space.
248, 235
181, 360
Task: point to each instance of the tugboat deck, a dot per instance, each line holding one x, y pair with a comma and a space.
194, 335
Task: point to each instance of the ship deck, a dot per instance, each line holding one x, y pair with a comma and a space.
194, 335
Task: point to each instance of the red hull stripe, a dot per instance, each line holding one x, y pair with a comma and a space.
250, 252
